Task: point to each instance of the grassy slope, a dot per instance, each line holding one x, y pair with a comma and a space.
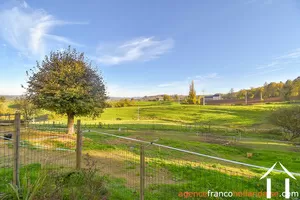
173, 113
184, 176
265, 153
200, 178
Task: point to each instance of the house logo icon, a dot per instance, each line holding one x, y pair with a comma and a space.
287, 181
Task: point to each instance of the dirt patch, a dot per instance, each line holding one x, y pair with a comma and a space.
43, 156
125, 165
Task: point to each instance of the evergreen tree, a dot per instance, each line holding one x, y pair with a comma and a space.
192, 98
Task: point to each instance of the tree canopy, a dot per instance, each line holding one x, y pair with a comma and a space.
167, 97
290, 88
66, 83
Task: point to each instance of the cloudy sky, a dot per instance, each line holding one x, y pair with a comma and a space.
159, 46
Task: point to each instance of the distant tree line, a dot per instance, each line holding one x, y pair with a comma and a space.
192, 97
285, 90
120, 103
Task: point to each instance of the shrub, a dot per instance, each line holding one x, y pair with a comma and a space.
289, 120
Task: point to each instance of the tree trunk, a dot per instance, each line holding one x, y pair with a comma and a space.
70, 123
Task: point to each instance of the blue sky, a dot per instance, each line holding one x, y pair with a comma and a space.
159, 46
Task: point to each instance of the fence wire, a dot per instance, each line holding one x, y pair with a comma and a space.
6, 155
171, 173
116, 159
40, 149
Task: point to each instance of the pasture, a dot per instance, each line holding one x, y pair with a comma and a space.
226, 132
169, 172
251, 116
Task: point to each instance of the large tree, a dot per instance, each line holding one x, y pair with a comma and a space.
67, 83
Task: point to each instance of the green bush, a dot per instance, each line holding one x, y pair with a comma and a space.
288, 119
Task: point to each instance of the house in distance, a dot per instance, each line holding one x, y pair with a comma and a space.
213, 97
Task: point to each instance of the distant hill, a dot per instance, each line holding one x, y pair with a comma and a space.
160, 96
119, 98
10, 97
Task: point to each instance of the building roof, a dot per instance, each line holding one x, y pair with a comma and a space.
212, 96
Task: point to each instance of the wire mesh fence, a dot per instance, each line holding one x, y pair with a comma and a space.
6, 155
116, 159
48, 146
171, 173
193, 127
36, 149
133, 167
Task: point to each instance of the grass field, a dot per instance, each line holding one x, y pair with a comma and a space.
169, 172
209, 130
252, 116
173, 113
184, 172
265, 152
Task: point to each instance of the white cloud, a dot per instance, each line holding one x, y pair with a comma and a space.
279, 63
171, 84
295, 54
272, 64
140, 49
28, 30
267, 71
61, 39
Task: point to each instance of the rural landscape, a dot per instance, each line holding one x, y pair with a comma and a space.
157, 100
189, 144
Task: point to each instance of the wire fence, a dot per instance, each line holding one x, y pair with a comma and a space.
134, 168
194, 127
6, 155
119, 161
154, 171
26, 150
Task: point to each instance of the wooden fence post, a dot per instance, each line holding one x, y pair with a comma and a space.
78, 146
142, 172
16, 145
